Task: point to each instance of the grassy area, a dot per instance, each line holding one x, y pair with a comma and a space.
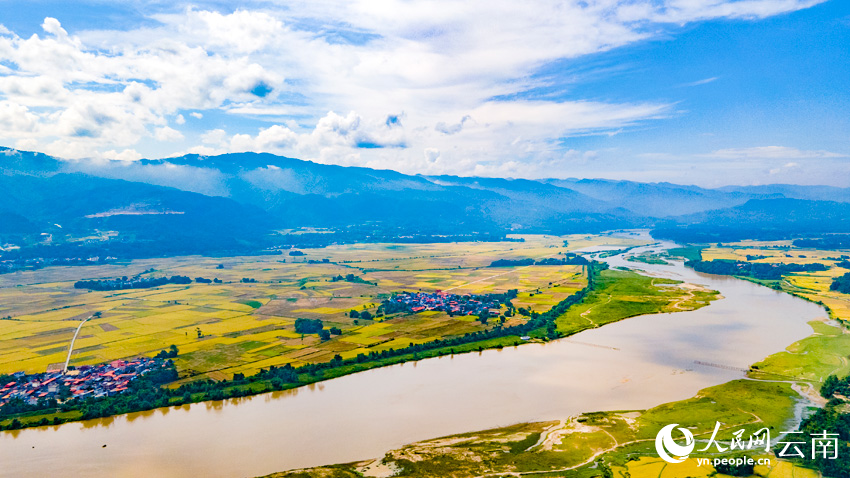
621, 444
648, 258
624, 294
686, 253
239, 327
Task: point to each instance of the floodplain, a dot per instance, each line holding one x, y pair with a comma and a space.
775, 392
241, 327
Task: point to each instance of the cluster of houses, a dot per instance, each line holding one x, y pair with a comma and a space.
453, 304
86, 381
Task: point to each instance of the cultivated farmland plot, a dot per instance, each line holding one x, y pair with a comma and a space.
239, 327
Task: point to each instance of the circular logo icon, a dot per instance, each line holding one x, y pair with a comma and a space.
668, 449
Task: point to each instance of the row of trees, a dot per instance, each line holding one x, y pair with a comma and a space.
829, 241
351, 278
568, 259
756, 270
315, 326
146, 392
170, 353
363, 314
130, 283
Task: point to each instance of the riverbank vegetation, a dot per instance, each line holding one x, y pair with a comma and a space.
621, 444
327, 341
841, 283
624, 294
647, 258
237, 327
148, 394
756, 270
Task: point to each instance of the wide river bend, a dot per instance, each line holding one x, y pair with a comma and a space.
632, 364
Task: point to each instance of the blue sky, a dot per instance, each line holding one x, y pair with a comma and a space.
708, 92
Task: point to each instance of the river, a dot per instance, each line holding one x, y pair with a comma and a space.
632, 364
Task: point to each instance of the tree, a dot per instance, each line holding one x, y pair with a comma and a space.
171, 353
366, 315
324, 335
354, 314
829, 386
308, 326
841, 284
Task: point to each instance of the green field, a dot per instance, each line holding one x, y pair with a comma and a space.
236, 327
624, 294
621, 444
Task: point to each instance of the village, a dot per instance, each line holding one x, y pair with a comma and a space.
482, 306
86, 381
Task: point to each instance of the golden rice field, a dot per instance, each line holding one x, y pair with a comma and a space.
812, 285
222, 329
652, 467
623, 440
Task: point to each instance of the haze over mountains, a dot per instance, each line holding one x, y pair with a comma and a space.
221, 202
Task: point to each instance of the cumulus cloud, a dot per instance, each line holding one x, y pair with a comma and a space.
168, 134
126, 155
214, 136
101, 93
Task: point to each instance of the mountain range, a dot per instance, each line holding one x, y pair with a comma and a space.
245, 200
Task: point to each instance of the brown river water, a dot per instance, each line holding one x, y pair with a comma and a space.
632, 364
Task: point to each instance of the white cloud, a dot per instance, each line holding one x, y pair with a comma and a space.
168, 134
785, 167
205, 150
92, 93
276, 138
704, 81
773, 152
214, 136
126, 155
682, 11
16, 119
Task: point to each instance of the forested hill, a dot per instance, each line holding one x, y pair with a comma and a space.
766, 219
241, 203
